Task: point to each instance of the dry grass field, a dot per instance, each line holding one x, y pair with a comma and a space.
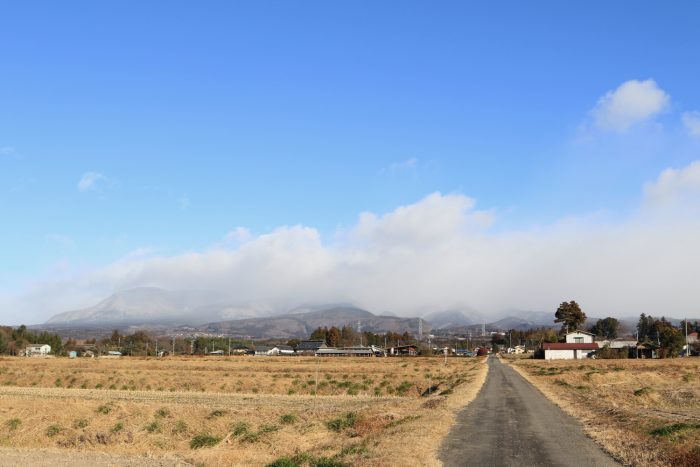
644, 412
237, 411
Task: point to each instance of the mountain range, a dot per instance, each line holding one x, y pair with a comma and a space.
156, 308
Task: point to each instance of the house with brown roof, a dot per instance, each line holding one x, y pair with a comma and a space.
578, 345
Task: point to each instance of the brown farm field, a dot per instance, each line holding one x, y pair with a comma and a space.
239, 410
644, 412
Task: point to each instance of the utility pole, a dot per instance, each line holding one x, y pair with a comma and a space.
229, 346
156, 347
636, 347
687, 347
359, 330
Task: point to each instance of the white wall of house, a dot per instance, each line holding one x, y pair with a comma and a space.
579, 338
566, 354
43, 349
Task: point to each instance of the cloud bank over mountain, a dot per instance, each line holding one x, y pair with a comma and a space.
439, 253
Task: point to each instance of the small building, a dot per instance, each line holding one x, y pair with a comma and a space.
568, 350
404, 350
310, 347
579, 337
519, 349
240, 349
346, 352
620, 343
693, 338
72, 354
216, 352
266, 350
285, 349
37, 350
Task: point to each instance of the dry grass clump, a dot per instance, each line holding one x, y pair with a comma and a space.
224, 427
644, 412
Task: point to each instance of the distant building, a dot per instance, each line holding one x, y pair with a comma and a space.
346, 352
693, 338
240, 349
310, 347
263, 350
37, 350
617, 343
285, 349
404, 350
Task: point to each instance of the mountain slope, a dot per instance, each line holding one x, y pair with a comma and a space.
302, 324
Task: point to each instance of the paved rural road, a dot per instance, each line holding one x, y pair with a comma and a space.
510, 423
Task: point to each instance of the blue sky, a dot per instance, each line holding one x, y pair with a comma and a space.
186, 120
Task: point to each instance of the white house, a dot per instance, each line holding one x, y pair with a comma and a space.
578, 345
37, 350
567, 351
579, 337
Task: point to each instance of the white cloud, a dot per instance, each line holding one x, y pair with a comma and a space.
238, 235
675, 186
632, 103
691, 121
408, 164
426, 256
89, 181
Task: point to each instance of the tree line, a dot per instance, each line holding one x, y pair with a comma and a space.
15, 340
348, 337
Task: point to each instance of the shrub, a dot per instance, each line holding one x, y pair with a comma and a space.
240, 428
346, 421
180, 427
14, 423
204, 441
80, 423
53, 430
288, 419
216, 413
357, 448
119, 426
642, 391
268, 428
668, 430
403, 388
104, 409
162, 413
283, 462
250, 437
327, 462
152, 427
